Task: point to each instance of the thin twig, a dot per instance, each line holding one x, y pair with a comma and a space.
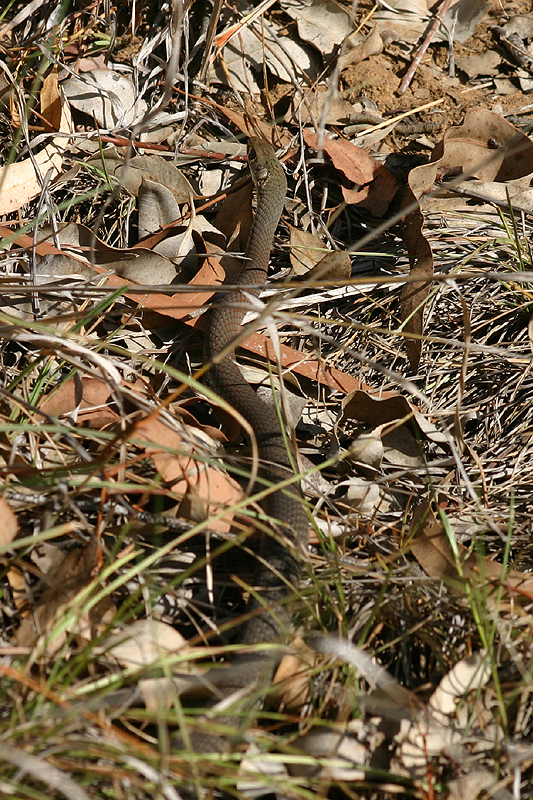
423, 47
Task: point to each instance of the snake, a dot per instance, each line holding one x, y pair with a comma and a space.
279, 560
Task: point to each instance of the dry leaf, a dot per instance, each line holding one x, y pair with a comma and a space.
375, 410
90, 398
374, 186
322, 23
51, 100
355, 52
433, 551
137, 264
64, 582
462, 19
485, 146
255, 47
206, 491
307, 249
8, 523
107, 96
291, 681
467, 675
142, 643
406, 19
22, 181
336, 265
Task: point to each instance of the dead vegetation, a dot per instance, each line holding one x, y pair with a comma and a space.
126, 506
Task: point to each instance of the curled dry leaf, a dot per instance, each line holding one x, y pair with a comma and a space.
432, 549
64, 583
291, 681
468, 675
376, 411
419, 732
22, 181
205, 491
258, 46
136, 264
485, 146
88, 398
406, 19
142, 643
107, 96
157, 207
355, 52
364, 497
374, 186
322, 23
130, 174
8, 523
394, 425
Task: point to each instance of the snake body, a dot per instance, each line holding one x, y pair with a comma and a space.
279, 564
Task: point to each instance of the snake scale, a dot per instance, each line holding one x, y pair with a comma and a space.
278, 563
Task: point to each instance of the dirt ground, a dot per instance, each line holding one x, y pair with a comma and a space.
378, 77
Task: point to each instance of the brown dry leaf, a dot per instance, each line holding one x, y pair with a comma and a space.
8, 523
205, 491
19, 587
67, 580
307, 249
42, 248
51, 100
137, 264
20, 182
485, 146
375, 187
142, 643
291, 681
130, 174
90, 397
353, 53
336, 265
375, 410
433, 551
310, 258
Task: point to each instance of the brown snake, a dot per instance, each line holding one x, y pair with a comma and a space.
279, 564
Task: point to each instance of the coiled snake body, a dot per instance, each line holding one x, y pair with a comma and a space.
279, 564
